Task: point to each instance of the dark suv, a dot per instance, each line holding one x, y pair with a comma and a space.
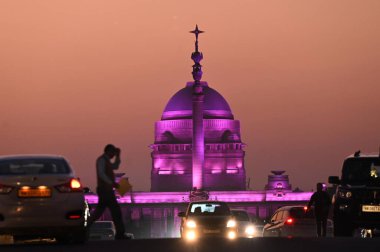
356, 202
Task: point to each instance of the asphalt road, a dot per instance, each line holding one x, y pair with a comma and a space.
212, 245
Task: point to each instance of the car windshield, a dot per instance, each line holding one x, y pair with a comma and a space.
207, 209
301, 213
33, 166
240, 215
361, 171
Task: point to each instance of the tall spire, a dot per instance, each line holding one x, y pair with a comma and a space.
198, 141
197, 57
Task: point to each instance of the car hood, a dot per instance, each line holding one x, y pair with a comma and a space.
211, 221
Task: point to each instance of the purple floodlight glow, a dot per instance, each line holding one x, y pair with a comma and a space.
216, 171
227, 196
164, 172
232, 171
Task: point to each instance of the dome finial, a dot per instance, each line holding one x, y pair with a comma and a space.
196, 32
197, 57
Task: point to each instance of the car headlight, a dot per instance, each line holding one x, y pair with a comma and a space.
231, 235
231, 223
191, 224
250, 231
191, 235
345, 194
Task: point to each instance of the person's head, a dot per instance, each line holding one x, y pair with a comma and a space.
110, 150
319, 187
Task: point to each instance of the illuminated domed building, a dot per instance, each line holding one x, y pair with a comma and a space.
198, 145
216, 163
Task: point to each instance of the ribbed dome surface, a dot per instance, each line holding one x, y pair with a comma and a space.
180, 105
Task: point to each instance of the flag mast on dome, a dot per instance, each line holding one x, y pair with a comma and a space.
198, 141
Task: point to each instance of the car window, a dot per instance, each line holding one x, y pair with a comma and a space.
240, 215
199, 209
361, 171
274, 217
279, 215
33, 166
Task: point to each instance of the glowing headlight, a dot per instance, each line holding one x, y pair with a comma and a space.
250, 231
191, 224
191, 235
231, 223
231, 235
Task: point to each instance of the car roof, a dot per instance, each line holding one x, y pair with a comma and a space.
29, 156
365, 155
290, 207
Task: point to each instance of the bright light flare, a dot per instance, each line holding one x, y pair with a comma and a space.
191, 224
250, 231
231, 235
231, 223
191, 235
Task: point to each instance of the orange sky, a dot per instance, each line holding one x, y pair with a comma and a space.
303, 78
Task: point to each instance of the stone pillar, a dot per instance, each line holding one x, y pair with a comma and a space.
198, 136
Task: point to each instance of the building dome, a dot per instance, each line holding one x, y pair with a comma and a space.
180, 105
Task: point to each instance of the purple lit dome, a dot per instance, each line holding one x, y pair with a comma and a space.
180, 105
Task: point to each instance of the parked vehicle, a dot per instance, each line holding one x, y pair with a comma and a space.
245, 227
207, 219
102, 230
356, 202
293, 221
41, 197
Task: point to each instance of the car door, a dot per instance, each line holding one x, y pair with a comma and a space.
274, 225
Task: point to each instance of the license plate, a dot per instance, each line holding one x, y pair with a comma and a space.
34, 193
371, 209
211, 231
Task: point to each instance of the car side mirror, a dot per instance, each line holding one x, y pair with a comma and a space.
334, 180
181, 214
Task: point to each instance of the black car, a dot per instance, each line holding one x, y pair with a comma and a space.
356, 202
207, 219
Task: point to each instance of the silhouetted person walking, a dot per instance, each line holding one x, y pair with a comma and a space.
321, 201
105, 189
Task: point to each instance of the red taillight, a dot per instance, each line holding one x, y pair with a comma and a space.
305, 208
4, 189
289, 221
74, 217
73, 186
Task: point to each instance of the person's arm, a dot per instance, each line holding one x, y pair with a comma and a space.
116, 164
311, 201
101, 169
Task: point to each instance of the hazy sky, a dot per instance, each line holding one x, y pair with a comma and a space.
302, 77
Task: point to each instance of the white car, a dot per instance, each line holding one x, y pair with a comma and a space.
245, 227
40, 197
